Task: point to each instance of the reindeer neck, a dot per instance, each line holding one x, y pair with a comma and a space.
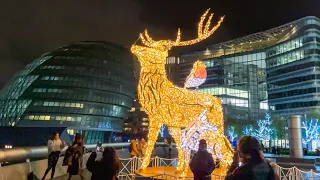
158, 69
154, 73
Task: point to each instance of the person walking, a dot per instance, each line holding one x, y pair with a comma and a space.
133, 147
107, 168
142, 147
78, 151
254, 165
202, 163
55, 145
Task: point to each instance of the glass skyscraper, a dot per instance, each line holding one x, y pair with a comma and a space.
293, 70
271, 70
86, 87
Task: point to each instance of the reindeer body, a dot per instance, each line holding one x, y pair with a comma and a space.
168, 104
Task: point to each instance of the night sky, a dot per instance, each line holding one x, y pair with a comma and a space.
29, 28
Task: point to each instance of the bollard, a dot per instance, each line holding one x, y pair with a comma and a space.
295, 136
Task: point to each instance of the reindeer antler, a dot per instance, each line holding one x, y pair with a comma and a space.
203, 33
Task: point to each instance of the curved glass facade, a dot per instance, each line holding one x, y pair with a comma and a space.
84, 86
276, 70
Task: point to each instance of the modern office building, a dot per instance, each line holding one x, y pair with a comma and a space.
276, 68
172, 69
87, 87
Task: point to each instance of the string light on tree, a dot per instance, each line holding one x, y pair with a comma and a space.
311, 130
264, 130
248, 130
232, 135
176, 107
163, 127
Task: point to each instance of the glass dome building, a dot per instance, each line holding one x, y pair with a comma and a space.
87, 87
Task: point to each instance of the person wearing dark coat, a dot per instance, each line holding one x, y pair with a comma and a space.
107, 168
254, 165
202, 163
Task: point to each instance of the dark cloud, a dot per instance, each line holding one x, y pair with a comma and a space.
30, 28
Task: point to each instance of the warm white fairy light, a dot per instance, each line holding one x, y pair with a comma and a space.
168, 104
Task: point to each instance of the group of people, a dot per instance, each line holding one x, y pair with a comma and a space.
248, 163
137, 149
73, 158
106, 168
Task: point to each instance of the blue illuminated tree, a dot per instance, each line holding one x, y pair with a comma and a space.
232, 135
311, 130
264, 130
247, 130
163, 127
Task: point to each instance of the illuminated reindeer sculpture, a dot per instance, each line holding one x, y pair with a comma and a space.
176, 107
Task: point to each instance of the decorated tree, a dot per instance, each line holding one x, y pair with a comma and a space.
311, 130
248, 130
163, 127
264, 130
232, 134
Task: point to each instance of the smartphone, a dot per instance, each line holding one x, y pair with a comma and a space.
99, 146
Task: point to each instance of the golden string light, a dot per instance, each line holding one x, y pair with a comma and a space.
176, 107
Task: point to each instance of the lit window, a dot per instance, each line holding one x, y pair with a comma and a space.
67, 105
132, 109
51, 103
69, 118
70, 131
63, 118
58, 118
56, 104
31, 117
73, 105
46, 103
41, 117
47, 118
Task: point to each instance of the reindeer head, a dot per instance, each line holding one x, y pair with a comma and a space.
160, 48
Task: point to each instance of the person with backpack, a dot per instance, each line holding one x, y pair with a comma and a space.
254, 165
133, 147
55, 145
75, 159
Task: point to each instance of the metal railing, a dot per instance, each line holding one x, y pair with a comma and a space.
129, 167
23, 153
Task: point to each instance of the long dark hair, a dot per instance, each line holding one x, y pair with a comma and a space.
53, 135
250, 146
77, 139
110, 157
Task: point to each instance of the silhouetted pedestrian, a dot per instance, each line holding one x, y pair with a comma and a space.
202, 163
107, 168
78, 151
254, 165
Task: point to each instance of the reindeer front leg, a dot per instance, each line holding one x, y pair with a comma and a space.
176, 134
154, 129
